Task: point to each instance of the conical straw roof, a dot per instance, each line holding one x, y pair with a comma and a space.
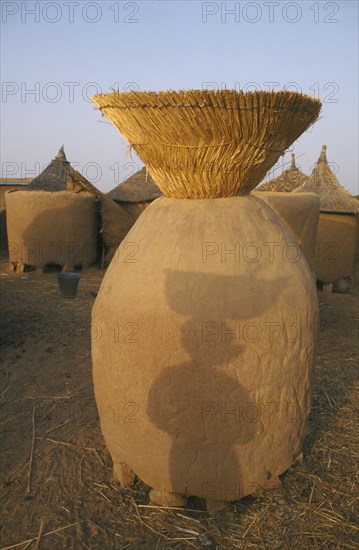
287, 182
139, 187
333, 196
55, 175
205, 143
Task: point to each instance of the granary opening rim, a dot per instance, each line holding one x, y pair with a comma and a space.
201, 106
203, 95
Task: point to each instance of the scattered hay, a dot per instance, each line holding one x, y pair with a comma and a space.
37, 539
28, 488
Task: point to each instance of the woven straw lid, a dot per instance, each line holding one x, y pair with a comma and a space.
207, 144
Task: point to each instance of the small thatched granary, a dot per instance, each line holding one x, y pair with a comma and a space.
136, 192
287, 182
299, 213
51, 224
337, 229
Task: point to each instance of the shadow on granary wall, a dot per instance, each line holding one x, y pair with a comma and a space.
200, 403
66, 236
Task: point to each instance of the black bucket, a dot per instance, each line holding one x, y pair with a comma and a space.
68, 283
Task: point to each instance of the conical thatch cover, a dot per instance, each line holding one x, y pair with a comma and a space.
333, 196
288, 181
55, 175
207, 144
139, 187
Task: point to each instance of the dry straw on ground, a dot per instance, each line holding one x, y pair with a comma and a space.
206, 144
316, 506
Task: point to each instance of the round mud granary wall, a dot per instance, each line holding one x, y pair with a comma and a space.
47, 228
300, 214
337, 227
336, 242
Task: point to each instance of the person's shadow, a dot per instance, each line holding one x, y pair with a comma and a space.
208, 404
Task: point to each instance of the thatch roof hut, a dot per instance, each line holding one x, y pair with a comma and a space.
136, 192
333, 196
338, 222
60, 177
288, 181
299, 214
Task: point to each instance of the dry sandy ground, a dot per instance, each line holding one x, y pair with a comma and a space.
57, 490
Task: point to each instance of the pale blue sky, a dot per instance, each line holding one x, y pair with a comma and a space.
55, 49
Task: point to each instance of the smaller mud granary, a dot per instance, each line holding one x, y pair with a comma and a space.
60, 181
288, 181
136, 192
299, 213
338, 222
